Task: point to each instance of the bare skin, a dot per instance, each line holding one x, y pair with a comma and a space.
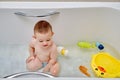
43, 49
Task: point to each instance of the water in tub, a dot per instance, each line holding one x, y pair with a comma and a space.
77, 57
13, 58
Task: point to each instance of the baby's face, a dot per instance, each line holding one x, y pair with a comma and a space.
44, 39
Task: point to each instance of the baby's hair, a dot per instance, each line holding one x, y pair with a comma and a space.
42, 27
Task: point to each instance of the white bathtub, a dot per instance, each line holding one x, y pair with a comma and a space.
77, 21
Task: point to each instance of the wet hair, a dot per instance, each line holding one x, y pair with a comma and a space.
42, 27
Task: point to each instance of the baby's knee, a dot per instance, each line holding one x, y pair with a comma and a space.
34, 65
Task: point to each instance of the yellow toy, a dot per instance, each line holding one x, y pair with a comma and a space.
62, 51
105, 66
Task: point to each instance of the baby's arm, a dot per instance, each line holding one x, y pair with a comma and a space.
53, 59
32, 52
54, 66
31, 46
53, 55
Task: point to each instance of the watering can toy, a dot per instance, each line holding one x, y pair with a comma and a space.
105, 65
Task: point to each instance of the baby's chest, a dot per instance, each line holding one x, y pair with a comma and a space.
40, 51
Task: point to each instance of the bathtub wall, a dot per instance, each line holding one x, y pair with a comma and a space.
70, 26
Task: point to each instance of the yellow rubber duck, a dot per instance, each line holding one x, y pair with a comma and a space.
105, 65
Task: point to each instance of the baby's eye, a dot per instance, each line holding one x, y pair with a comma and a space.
48, 40
40, 41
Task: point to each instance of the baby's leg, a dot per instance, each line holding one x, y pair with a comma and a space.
47, 68
49, 65
34, 64
55, 69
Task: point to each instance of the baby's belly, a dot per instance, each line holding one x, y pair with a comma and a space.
43, 58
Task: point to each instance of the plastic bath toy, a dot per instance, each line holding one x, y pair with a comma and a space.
85, 44
105, 66
62, 51
99, 45
84, 70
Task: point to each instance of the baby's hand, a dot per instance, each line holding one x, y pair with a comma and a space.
52, 61
47, 67
30, 59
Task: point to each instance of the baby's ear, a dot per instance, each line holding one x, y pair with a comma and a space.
34, 36
52, 33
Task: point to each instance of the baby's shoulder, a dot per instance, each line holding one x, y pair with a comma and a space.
32, 42
54, 46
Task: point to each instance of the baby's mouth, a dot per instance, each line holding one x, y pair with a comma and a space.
45, 45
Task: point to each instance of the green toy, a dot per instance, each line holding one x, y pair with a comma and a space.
85, 44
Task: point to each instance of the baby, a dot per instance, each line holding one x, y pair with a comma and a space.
43, 51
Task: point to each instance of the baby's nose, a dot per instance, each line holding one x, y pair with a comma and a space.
45, 43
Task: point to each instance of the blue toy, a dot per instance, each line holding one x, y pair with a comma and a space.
99, 46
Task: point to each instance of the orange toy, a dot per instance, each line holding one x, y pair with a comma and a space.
83, 69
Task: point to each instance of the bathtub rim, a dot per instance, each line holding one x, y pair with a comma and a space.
57, 5
16, 75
